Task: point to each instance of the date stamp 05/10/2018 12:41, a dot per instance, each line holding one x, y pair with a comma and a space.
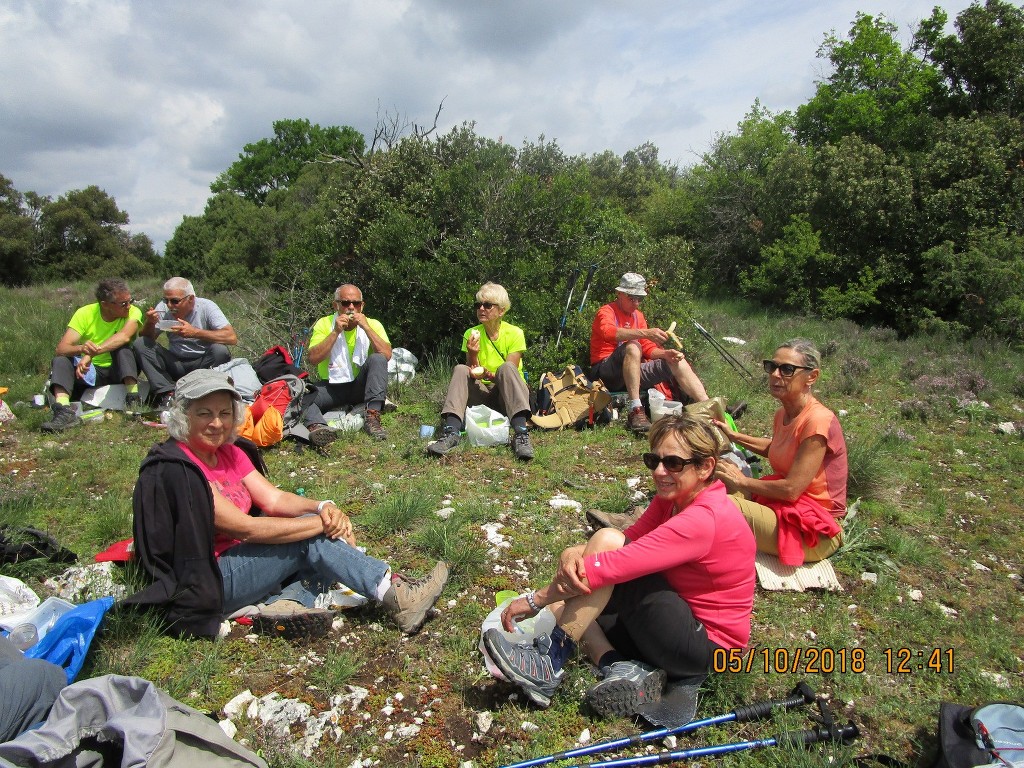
813, 660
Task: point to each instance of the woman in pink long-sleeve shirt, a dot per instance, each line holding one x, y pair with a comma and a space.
653, 602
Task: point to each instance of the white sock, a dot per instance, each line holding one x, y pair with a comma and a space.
383, 587
635, 404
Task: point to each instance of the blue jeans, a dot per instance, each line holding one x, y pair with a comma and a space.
253, 572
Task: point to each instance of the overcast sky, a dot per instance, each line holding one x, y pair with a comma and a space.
151, 100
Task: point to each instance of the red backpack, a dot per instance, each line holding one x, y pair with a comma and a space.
285, 394
276, 362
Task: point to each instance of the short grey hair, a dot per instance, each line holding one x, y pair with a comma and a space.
180, 284
337, 291
176, 417
806, 349
110, 287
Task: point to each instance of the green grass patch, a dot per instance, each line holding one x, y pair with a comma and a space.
934, 489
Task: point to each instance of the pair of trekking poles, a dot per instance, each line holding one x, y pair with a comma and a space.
802, 695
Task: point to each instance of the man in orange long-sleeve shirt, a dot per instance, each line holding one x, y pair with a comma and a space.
627, 355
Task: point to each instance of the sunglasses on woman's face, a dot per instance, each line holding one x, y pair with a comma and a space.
785, 369
672, 463
484, 304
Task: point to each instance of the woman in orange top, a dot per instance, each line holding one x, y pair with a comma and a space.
794, 512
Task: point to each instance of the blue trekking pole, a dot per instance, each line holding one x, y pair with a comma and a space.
844, 734
801, 695
568, 301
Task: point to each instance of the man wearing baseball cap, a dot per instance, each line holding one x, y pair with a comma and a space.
627, 355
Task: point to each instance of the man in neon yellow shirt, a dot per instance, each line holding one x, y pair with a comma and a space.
96, 350
351, 352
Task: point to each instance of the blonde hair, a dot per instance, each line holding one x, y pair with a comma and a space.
703, 438
495, 294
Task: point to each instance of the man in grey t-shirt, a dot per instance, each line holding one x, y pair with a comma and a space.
198, 336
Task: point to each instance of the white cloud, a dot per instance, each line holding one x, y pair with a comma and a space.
150, 101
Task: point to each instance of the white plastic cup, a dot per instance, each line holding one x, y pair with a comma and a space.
24, 636
44, 617
426, 431
38, 401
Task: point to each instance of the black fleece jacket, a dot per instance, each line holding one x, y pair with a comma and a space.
173, 529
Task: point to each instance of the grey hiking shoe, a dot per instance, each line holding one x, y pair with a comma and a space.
372, 426
448, 440
521, 446
408, 601
627, 685
63, 417
637, 421
528, 665
292, 620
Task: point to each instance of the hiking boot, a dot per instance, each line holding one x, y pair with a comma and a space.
448, 440
528, 665
62, 417
621, 520
292, 621
637, 421
321, 435
133, 405
408, 601
737, 409
521, 446
162, 402
371, 425
627, 685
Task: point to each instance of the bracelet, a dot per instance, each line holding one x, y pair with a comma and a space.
322, 504
530, 601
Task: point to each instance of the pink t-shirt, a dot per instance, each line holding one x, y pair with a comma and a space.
232, 467
705, 552
828, 487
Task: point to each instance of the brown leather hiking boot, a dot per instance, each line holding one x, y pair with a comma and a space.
409, 600
621, 520
372, 426
637, 421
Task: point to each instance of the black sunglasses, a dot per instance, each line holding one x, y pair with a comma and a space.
672, 463
121, 304
349, 302
176, 302
786, 369
484, 304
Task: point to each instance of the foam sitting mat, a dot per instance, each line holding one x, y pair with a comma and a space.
773, 575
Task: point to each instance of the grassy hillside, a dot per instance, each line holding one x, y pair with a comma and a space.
938, 522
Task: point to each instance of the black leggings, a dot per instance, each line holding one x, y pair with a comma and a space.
647, 620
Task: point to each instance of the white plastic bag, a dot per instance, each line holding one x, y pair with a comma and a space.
660, 406
528, 629
401, 366
485, 426
16, 601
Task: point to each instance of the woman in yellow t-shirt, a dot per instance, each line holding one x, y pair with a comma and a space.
492, 375
794, 512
